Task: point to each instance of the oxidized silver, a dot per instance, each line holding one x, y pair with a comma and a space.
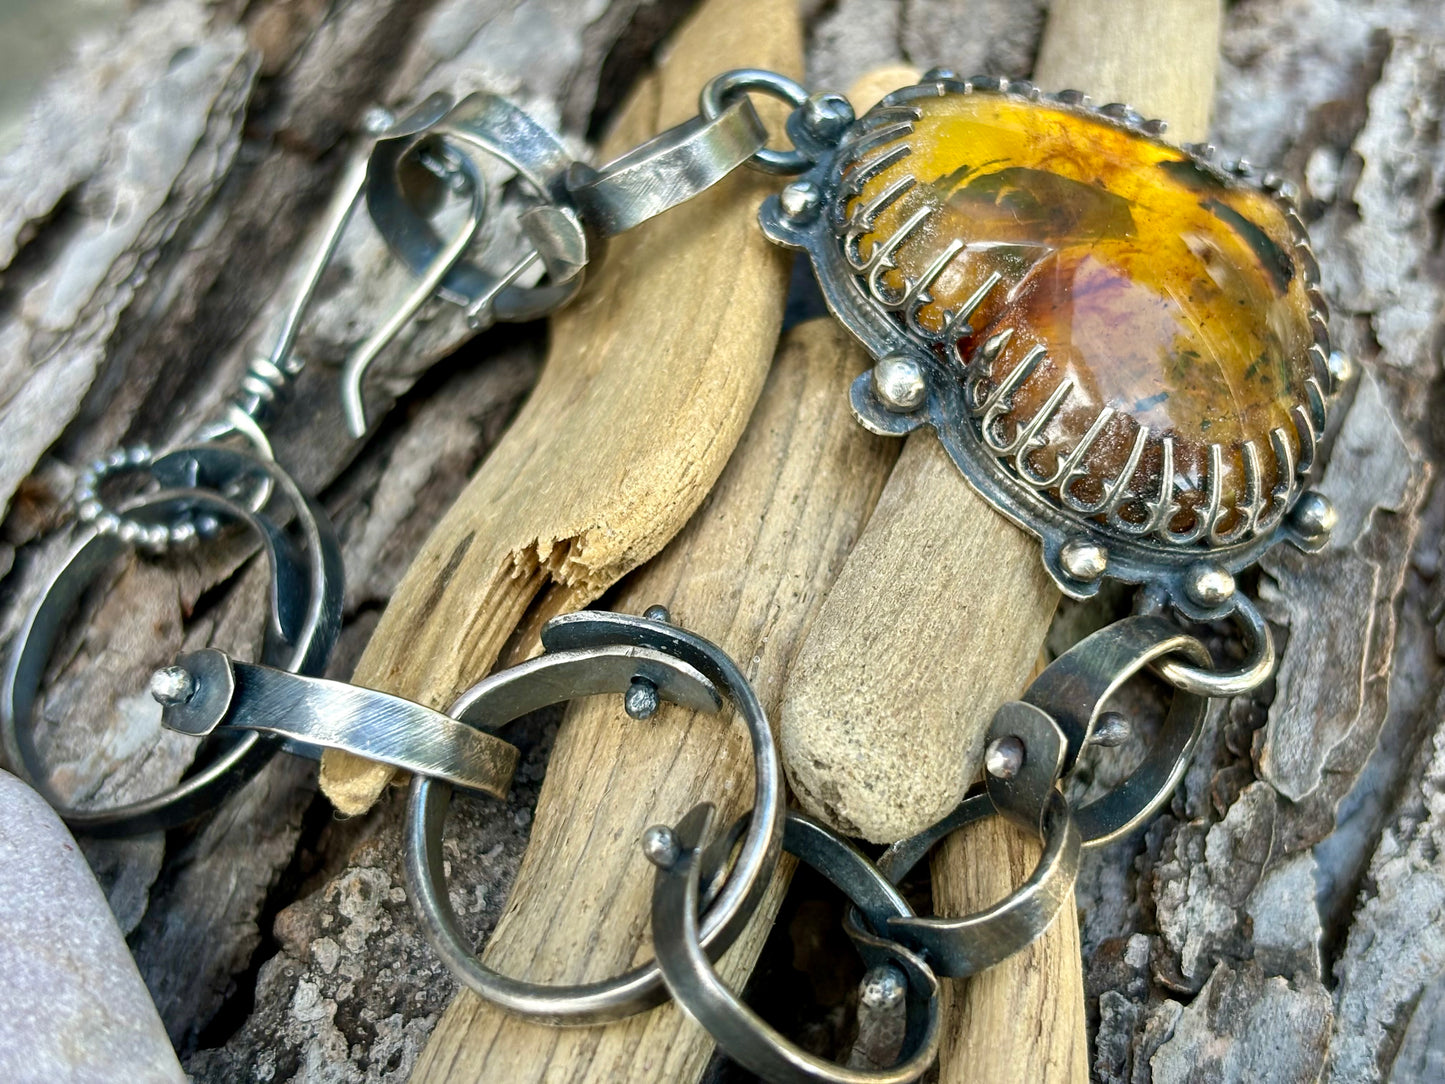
304, 618
684, 668
739, 1032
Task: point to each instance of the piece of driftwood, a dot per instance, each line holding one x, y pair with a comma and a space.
1025, 1019
652, 374
738, 575
1308, 924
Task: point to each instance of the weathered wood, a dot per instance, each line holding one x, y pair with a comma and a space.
1024, 1020
1342, 98
738, 575
937, 615
652, 375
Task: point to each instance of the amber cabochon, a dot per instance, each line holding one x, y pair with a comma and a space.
1133, 324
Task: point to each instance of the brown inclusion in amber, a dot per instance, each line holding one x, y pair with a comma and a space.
1163, 290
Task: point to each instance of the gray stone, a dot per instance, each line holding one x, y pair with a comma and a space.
73, 1008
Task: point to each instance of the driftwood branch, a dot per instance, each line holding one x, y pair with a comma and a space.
1281, 920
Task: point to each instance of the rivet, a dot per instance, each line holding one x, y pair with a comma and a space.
800, 200
1208, 584
641, 699
1004, 757
1313, 515
1084, 560
659, 844
172, 685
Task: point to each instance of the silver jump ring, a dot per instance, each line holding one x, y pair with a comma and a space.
724, 88
1249, 675
666, 170
306, 596
737, 1030
679, 666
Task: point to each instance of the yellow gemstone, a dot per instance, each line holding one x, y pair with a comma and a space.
1168, 298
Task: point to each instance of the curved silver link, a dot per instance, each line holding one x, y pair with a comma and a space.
667, 170
481, 126
724, 88
305, 616
957, 947
591, 633
312, 713
739, 1032
1249, 675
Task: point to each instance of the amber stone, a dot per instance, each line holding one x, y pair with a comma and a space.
1161, 289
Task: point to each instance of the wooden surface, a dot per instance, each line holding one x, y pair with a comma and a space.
738, 575
651, 376
1242, 936
1024, 1020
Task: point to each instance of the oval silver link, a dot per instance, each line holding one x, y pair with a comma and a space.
739, 1032
722, 89
642, 987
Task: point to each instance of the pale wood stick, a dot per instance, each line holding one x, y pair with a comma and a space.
748, 571
1023, 1021
651, 376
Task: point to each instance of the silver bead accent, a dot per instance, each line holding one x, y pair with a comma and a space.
1341, 366
899, 384
659, 844
801, 199
1313, 515
1208, 584
1004, 757
1111, 730
172, 685
641, 699
657, 613
827, 116
1084, 560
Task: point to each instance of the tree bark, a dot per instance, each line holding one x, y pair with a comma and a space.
1280, 920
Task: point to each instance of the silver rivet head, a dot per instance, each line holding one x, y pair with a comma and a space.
659, 844
883, 987
172, 685
899, 383
1208, 584
657, 613
1084, 560
1111, 730
640, 699
377, 120
1313, 515
801, 199
1004, 757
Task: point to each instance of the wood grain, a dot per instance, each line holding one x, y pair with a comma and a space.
749, 571
1023, 1021
651, 377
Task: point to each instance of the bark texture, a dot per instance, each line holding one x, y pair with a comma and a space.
1284, 920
